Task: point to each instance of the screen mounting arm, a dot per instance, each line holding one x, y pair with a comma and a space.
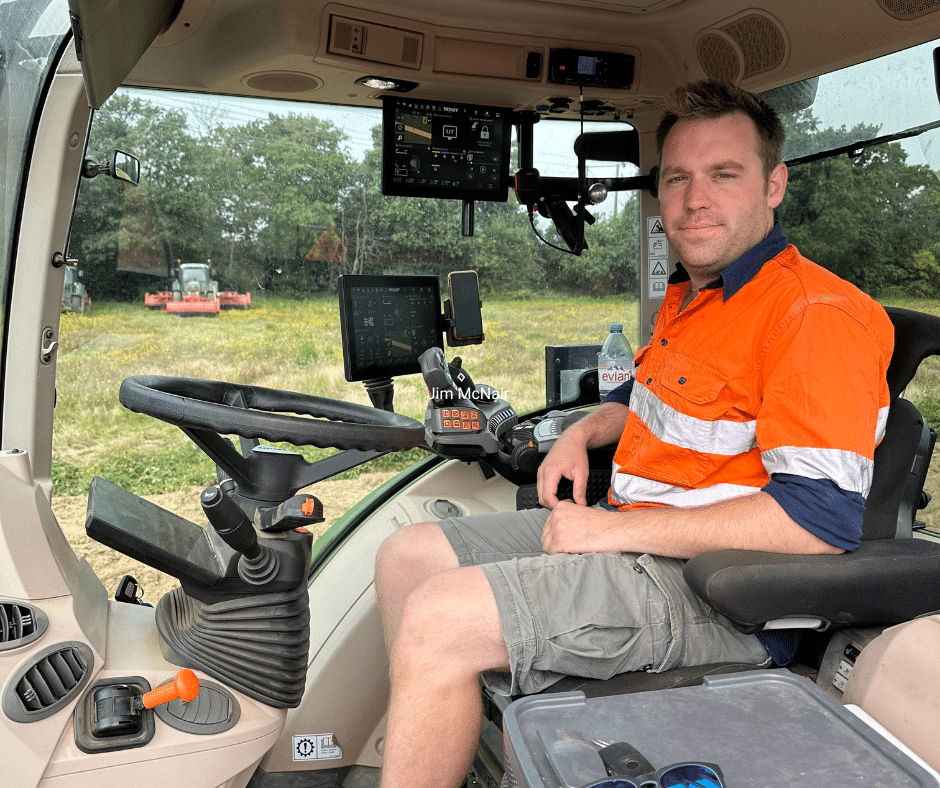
381, 393
466, 218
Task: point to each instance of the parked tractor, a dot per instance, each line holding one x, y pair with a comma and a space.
75, 297
194, 292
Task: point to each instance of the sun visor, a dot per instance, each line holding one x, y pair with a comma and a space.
111, 37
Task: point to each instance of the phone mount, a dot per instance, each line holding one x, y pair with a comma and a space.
450, 327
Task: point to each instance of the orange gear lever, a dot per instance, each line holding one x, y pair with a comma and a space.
185, 687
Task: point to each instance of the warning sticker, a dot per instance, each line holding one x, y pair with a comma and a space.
657, 256
316, 747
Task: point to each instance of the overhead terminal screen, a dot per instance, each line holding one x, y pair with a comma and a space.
450, 151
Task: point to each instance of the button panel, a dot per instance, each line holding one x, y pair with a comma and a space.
460, 420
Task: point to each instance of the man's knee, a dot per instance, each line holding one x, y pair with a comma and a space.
419, 549
451, 617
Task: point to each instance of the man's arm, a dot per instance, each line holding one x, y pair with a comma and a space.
568, 456
750, 522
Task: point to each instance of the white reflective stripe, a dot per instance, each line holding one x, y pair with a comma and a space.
627, 488
850, 471
882, 424
727, 438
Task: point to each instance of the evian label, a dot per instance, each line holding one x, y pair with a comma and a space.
611, 377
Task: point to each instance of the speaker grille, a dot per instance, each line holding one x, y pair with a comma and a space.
718, 58
760, 41
744, 47
905, 10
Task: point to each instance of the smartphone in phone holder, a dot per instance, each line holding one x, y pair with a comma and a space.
463, 317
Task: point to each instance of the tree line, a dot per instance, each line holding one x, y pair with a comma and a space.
280, 204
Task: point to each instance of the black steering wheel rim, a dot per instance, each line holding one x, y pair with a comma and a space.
193, 403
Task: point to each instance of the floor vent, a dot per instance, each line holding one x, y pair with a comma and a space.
53, 678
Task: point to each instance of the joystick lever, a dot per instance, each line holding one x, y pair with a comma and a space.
258, 563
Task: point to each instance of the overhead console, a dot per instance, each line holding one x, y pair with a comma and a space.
535, 72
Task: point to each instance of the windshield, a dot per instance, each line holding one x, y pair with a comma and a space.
277, 199
30, 33
882, 97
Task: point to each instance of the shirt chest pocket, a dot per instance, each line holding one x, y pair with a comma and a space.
693, 388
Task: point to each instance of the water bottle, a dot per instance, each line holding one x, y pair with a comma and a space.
615, 361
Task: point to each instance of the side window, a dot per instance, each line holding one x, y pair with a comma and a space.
870, 213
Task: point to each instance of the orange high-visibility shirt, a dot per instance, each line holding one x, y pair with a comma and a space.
786, 375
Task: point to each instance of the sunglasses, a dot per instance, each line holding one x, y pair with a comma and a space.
679, 775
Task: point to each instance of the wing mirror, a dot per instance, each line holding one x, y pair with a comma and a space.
120, 165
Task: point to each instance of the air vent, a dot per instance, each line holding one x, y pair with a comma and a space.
20, 624
52, 679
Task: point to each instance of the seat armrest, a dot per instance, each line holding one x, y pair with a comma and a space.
884, 581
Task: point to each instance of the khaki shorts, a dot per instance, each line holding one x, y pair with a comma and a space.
593, 615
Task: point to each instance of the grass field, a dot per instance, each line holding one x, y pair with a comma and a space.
295, 345
278, 343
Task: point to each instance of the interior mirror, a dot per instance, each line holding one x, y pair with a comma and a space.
792, 97
121, 166
609, 146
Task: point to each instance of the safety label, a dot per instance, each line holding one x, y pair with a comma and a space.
316, 747
657, 254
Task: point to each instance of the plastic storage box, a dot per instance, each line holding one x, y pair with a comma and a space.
768, 728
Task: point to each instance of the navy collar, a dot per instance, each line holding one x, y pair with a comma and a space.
745, 268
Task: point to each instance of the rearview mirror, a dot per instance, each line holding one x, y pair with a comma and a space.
609, 146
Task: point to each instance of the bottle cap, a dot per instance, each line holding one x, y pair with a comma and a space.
616, 326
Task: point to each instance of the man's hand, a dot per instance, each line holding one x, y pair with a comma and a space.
573, 528
567, 459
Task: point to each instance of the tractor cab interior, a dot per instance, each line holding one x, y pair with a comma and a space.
379, 193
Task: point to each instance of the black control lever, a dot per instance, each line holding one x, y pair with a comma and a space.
258, 563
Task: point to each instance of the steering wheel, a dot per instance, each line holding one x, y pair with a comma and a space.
207, 409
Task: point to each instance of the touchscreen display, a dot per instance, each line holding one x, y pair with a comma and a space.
445, 150
387, 323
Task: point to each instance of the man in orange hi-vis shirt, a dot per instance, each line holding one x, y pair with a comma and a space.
751, 425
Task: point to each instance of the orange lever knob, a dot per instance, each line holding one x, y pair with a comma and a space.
185, 687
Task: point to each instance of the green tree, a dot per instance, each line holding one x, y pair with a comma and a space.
862, 218
280, 181
149, 226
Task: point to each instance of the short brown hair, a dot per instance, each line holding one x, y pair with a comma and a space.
707, 99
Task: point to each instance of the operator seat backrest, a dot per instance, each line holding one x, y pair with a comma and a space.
902, 458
